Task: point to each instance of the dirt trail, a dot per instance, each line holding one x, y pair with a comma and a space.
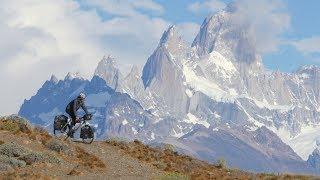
118, 164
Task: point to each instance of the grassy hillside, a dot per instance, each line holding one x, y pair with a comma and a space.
28, 152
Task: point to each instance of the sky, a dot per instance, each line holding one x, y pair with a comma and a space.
41, 38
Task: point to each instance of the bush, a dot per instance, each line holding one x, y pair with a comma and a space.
13, 150
58, 146
12, 161
5, 168
169, 147
35, 157
9, 126
221, 163
160, 165
15, 124
40, 130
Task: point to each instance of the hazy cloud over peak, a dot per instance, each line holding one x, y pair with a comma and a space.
308, 45
206, 7
264, 20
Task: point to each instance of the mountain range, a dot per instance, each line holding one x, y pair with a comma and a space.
212, 99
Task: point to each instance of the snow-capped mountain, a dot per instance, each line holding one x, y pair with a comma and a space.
211, 99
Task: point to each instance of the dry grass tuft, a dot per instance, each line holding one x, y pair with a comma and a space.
75, 172
28, 176
15, 124
89, 160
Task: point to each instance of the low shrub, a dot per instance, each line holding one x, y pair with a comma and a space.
5, 168
15, 124
9, 126
13, 150
12, 161
221, 163
160, 165
35, 157
58, 146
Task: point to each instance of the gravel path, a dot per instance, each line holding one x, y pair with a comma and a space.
119, 165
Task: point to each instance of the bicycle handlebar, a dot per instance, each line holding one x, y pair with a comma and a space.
86, 117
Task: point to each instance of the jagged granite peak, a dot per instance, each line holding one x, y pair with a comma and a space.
132, 83
218, 33
108, 70
73, 75
171, 36
308, 69
170, 33
135, 71
163, 73
54, 79
173, 42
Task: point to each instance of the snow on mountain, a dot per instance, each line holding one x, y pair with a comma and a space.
54, 79
71, 76
212, 98
277, 100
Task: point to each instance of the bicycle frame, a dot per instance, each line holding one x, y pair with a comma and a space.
83, 122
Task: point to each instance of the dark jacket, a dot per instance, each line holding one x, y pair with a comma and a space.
75, 105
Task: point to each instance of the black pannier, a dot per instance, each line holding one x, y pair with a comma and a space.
60, 123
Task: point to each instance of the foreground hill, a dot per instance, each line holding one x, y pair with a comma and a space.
28, 152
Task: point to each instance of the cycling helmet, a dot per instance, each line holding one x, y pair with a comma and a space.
82, 96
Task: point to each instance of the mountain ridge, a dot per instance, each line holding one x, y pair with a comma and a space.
219, 81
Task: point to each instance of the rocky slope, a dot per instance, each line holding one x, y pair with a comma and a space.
194, 95
28, 152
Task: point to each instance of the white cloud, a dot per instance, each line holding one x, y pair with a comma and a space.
40, 38
308, 45
148, 4
208, 6
265, 21
125, 7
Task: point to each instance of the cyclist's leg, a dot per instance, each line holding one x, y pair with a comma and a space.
73, 122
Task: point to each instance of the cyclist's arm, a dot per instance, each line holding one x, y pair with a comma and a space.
83, 106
